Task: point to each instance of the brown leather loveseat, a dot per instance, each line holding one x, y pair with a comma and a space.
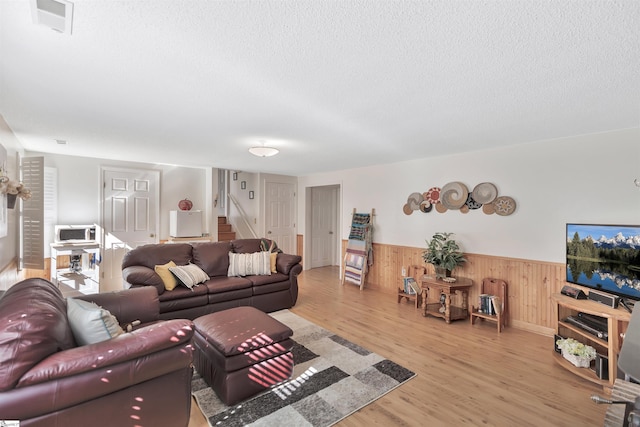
218, 291
138, 378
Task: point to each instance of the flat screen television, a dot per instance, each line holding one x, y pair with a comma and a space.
605, 257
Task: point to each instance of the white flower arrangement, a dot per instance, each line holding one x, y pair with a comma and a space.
576, 348
10, 186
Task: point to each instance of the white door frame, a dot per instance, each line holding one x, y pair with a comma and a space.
308, 255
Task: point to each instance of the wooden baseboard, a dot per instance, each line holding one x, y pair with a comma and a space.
533, 328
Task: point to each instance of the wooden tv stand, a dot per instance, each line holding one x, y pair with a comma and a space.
617, 323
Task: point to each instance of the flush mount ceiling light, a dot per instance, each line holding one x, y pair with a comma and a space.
263, 151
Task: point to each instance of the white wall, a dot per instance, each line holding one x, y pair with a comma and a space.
79, 184
578, 179
9, 243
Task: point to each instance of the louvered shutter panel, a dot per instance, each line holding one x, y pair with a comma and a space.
50, 207
33, 213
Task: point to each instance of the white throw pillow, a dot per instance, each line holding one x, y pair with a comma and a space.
189, 275
91, 323
257, 263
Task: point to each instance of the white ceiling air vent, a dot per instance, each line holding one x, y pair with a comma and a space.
55, 14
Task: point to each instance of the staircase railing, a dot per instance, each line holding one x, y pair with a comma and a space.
243, 215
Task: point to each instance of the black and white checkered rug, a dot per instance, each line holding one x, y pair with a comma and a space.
332, 379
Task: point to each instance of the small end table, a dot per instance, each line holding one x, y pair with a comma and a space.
451, 312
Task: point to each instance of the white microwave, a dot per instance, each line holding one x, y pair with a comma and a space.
75, 233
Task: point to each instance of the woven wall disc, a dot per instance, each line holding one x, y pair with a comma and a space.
471, 203
504, 205
485, 192
433, 195
414, 200
454, 195
489, 209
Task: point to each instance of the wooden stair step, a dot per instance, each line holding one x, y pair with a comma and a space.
225, 230
226, 236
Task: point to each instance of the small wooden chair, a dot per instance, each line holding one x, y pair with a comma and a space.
498, 289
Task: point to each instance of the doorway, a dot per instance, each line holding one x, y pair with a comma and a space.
280, 214
130, 218
323, 226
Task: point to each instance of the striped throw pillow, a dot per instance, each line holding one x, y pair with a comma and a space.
189, 275
257, 263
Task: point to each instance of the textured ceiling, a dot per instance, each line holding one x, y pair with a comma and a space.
332, 84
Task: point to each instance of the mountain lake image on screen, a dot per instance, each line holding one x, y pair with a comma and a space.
605, 257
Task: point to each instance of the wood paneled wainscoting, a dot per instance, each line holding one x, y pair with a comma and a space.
530, 283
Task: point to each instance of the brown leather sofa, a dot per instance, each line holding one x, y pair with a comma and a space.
142, 377
268, 293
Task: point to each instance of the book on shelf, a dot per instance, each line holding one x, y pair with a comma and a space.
411, 287
489, 304
496, 304
484, 303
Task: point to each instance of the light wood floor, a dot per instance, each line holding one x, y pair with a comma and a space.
466, 375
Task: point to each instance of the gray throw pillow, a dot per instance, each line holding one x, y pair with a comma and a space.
91, 323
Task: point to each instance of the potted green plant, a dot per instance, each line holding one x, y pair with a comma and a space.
443, 253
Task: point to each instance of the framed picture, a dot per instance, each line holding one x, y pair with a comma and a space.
235, 176
251, 194
243, 185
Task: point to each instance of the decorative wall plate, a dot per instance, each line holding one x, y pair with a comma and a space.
454, 195
471, 203
488, 208
433, 195
426, 206
414, 201
484, 192
504, 205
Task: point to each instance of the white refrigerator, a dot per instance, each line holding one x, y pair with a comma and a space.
185, 223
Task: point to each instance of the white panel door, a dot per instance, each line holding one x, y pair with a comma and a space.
323, 226
130, 218
280, 215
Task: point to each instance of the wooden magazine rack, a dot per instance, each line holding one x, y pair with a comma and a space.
415, 271
497, 290
359, 253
